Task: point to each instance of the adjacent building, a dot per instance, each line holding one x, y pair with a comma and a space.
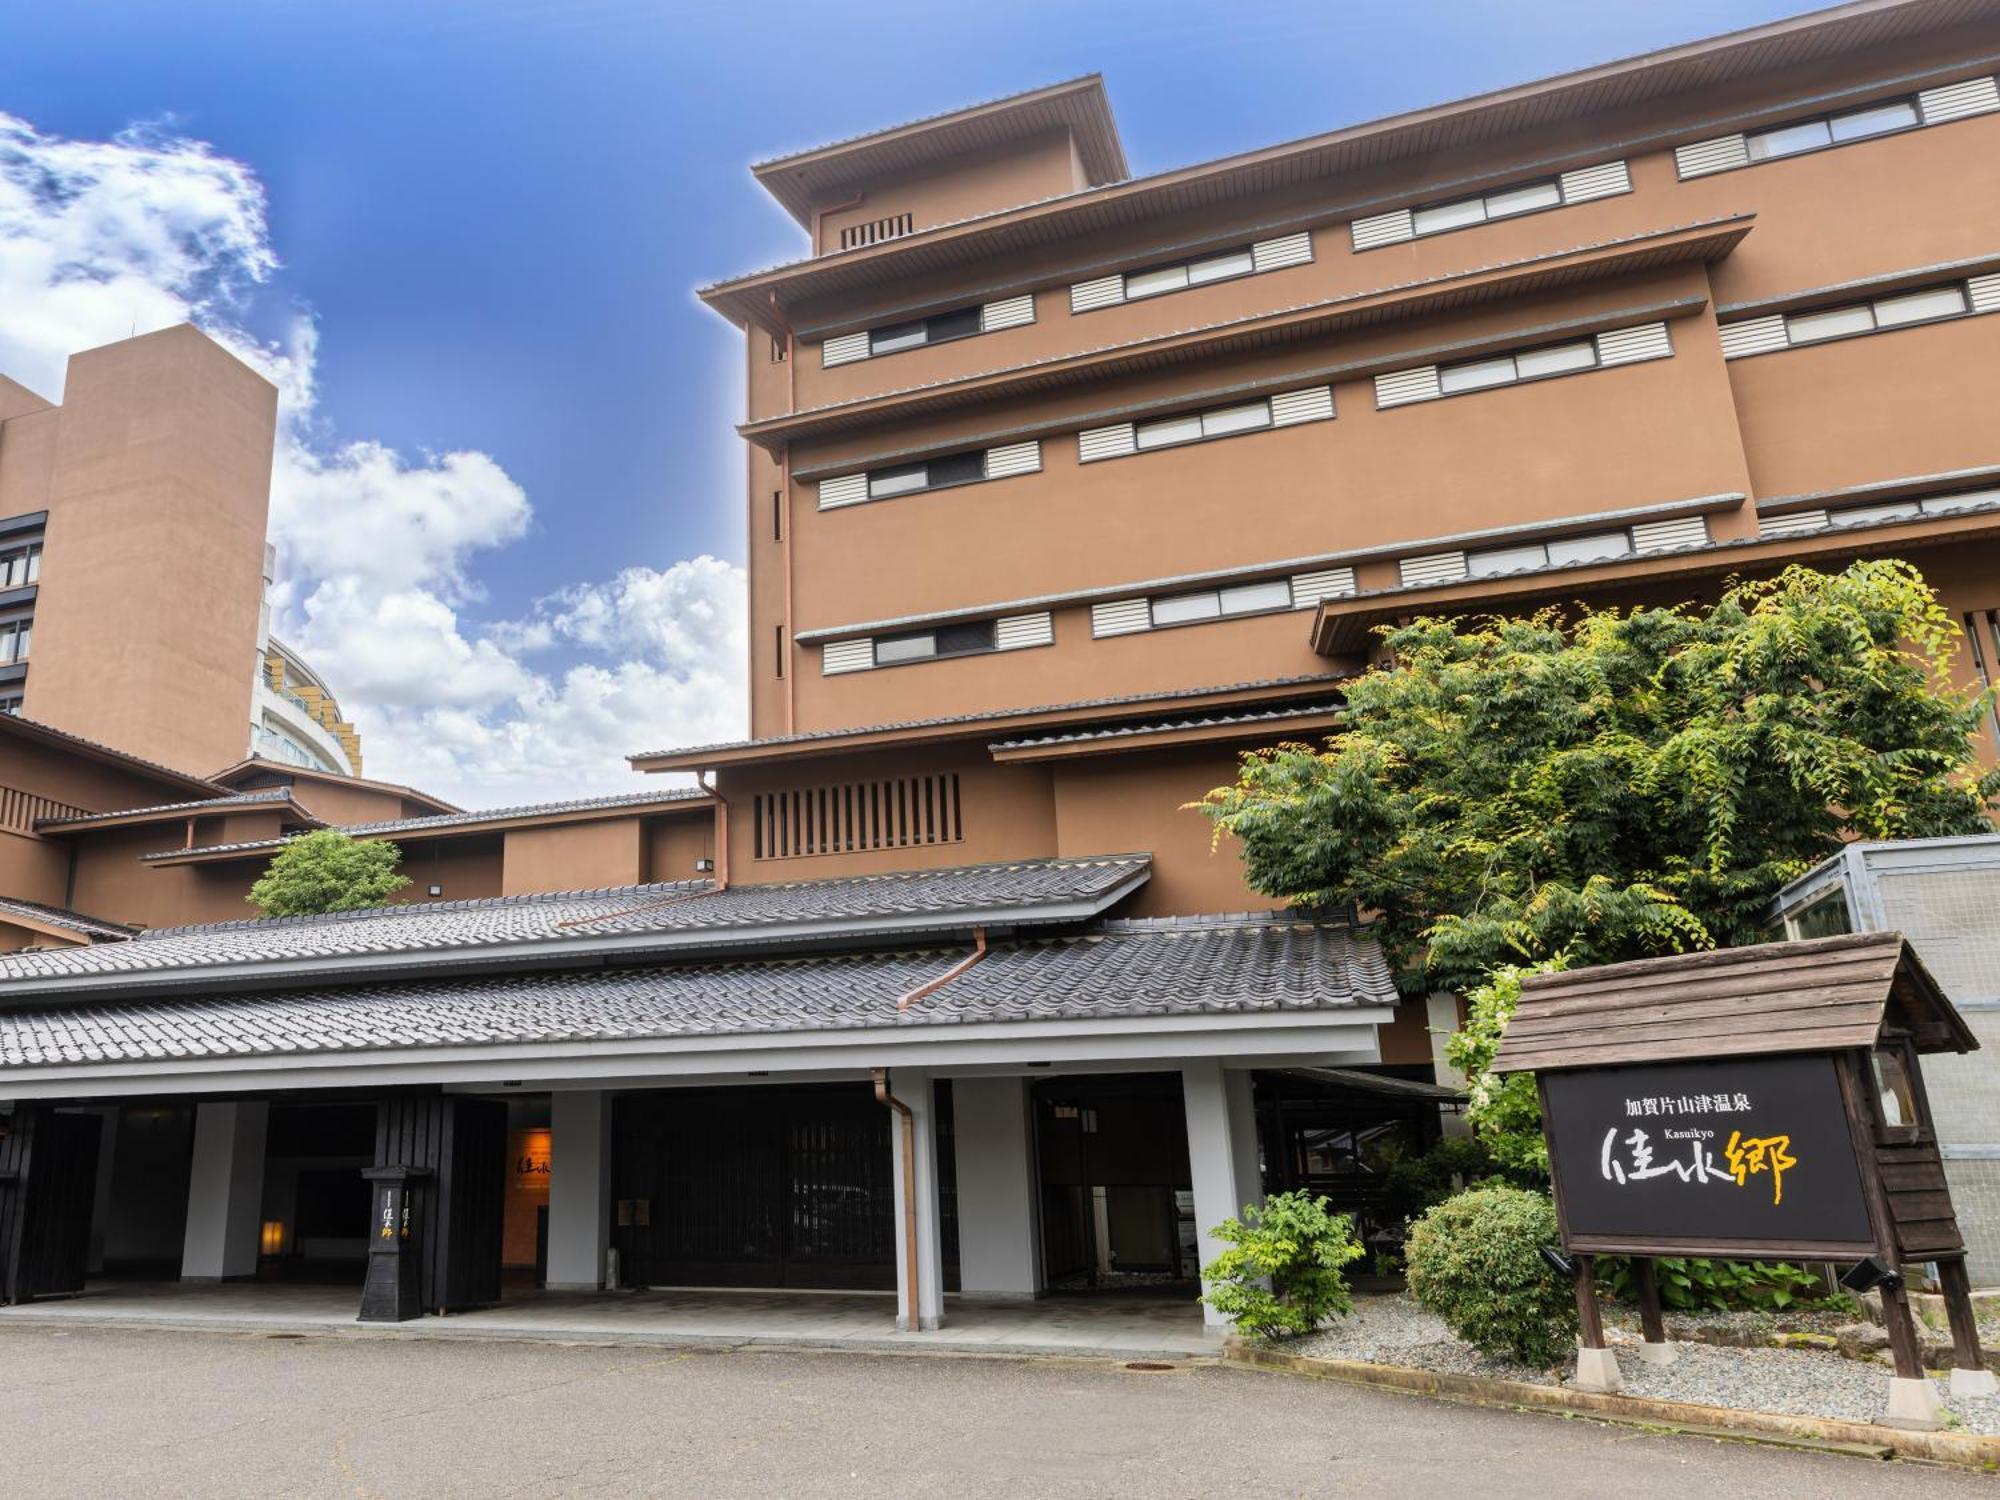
1065, 487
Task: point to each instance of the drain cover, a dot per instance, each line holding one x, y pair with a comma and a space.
1149, 1367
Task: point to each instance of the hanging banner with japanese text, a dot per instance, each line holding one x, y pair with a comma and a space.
1751, 1150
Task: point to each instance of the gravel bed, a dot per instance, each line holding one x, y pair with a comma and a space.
1392, 1330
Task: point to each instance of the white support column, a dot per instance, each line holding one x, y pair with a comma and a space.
225, 1192
579, 1190
1441, 1013
913, 1087
1222, 1154
999, 1230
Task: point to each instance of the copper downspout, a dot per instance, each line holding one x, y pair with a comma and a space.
721, 828
833, 208
912, 1311
931, 987
790, 663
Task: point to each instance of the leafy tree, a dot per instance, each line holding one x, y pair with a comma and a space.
1503, 1108
1619, 784
328, 871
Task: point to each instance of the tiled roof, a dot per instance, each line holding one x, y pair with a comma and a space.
1170, 726
205, 805
95, 928
457, 819
989, 716
1269, 965
626, 919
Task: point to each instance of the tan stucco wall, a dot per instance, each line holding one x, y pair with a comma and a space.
152, 572
572, 856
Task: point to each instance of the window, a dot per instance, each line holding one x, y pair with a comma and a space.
780, 350
1897, 311
1509, 369
1438, 217
20, 566
14, 640
932, 474
1200, 272
1832, 130
1895, 1093
1192, 427
1578, 186
932, 330
925, 645
1215, 604
1560, 553
10, 703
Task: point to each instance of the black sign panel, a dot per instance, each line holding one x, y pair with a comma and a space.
1747, 1149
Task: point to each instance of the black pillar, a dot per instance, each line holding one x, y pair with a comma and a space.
460, 1147
393, 1291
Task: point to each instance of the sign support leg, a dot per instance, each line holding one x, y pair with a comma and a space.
1596, 1366
1913, 1400
1656, 1350
1969, 1375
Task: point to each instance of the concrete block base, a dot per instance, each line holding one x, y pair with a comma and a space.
924, 1324
1974, 1383
1597, 1370
1662, 1353
1914, 1404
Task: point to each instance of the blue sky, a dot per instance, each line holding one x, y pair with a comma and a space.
495, 213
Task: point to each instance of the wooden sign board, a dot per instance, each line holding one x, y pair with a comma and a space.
1737, 1156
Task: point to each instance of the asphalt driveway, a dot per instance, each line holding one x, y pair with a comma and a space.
134, 1412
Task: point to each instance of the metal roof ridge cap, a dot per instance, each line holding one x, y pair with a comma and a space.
1700, 504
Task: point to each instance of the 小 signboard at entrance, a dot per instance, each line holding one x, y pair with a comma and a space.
1752, 1150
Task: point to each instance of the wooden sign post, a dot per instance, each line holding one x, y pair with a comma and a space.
1758, 1103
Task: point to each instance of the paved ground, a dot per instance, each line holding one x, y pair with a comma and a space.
142, 1412
1131, 1325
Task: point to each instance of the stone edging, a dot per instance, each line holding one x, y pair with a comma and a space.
1962, 1449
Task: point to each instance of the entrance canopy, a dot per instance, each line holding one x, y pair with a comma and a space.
1002, 968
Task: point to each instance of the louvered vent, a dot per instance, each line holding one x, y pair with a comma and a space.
1292, 407
901, 812
1105, 291
848, 489
1013, 632
20, 811
846, 656
1664, 536
1797, 522
1586, 183
1275, 255
844, 350
1105, 442
1984, 292
1439, 567
1954, 101
1330, 583
1011, 313
1718, 155
1626, 346
1405, 386
1754, 336
1015, 458
894, 226
1382, 229
1120, 617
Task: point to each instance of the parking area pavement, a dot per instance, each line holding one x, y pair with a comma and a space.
101, 1411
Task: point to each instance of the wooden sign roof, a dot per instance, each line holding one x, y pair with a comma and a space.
1821, 995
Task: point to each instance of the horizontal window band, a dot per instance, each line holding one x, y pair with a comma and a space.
1578, 185
1332, 217
1937, 105
1977, 297
1352, 369
1555, 527
1004, 462
1910, 485
1607, 350
1862, 287
1285, 409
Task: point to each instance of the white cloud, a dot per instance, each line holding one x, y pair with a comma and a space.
379, 551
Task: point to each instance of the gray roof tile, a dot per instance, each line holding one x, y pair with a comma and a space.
419, 932
205, 805
1261, 966
1168, 726
95, 928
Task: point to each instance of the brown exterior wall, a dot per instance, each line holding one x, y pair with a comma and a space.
152, 573
1016, 173
675, 845
572, 856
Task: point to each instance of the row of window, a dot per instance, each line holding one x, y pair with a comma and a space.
1618, 346
20, 566
1796, 522
943, 472
1930, 304
15, 638
932, 643
1952, 101
1557, 552
1221, 602
1580, 186
1285, 409
1935, 106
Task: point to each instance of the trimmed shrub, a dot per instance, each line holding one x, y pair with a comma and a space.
1284, 1273
1475, 1261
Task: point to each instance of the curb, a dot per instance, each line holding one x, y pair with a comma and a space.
1826, 1434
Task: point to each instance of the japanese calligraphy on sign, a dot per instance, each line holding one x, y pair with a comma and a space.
1756, 1150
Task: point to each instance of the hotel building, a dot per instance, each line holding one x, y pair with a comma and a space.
1065, 487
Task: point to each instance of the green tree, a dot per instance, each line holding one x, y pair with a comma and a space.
327, 871
1618, 784
1284, 1272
